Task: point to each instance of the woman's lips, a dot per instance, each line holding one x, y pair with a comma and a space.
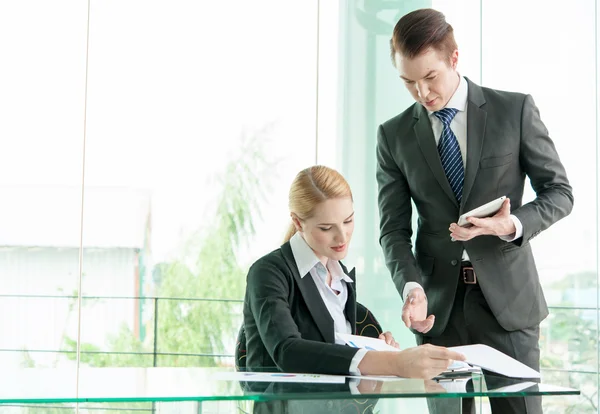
339, 248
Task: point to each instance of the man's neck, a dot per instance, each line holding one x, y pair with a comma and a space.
455, 86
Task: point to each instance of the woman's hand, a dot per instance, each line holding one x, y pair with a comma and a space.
425, 361
366, 386
389, 339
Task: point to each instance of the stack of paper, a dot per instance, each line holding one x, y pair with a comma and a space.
372, 344
493, 360
278, 377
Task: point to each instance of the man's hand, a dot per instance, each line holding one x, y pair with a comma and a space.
389, 339
414, 311
499, 224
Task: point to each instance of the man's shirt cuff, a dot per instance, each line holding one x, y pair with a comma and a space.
518, 233
408, 287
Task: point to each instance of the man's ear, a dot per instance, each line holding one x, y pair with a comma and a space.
296, 221
454, 59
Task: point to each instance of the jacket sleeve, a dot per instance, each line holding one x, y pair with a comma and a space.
395, 212
540, 161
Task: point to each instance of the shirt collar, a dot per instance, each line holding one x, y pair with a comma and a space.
306, 259
459, 99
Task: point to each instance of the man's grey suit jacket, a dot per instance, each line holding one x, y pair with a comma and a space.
506, 141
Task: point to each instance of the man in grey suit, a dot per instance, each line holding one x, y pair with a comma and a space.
458, 147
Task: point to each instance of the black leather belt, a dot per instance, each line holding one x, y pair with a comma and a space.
467, 273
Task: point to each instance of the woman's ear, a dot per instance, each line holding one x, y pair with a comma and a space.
296, 221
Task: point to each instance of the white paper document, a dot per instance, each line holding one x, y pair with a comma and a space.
493, 360
378, 377
372, 344
278, 377
477, 355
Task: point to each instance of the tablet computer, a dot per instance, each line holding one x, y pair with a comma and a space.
486, 210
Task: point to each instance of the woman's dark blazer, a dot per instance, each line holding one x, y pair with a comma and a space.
287, 323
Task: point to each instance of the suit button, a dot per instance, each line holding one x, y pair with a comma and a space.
454, 262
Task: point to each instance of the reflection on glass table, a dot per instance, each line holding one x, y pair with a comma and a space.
203, 385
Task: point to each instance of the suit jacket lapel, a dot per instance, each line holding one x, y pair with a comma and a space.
350, 310
426, 140
312, 297
476, 118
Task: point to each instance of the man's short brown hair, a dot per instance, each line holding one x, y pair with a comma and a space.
420, 30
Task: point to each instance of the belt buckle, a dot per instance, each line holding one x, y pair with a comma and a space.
468, 274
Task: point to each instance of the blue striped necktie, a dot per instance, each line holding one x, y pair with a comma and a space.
450, 153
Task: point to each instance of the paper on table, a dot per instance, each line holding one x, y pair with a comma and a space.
278, 377
493, 360
378, 377
372, 344
460, 366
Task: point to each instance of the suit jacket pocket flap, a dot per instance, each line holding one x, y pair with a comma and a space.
491, 162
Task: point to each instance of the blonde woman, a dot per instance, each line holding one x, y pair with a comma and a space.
299, 295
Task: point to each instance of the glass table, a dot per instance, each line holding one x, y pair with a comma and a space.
222, 390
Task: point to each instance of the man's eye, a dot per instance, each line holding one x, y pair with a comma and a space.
325, 229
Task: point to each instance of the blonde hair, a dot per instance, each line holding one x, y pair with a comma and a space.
312, 186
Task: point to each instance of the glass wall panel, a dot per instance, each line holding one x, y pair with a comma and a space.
200, 114
520, 60
569, 355
370, 93
41, 128
569, 340
584, 403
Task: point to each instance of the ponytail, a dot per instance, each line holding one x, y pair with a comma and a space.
290, 232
